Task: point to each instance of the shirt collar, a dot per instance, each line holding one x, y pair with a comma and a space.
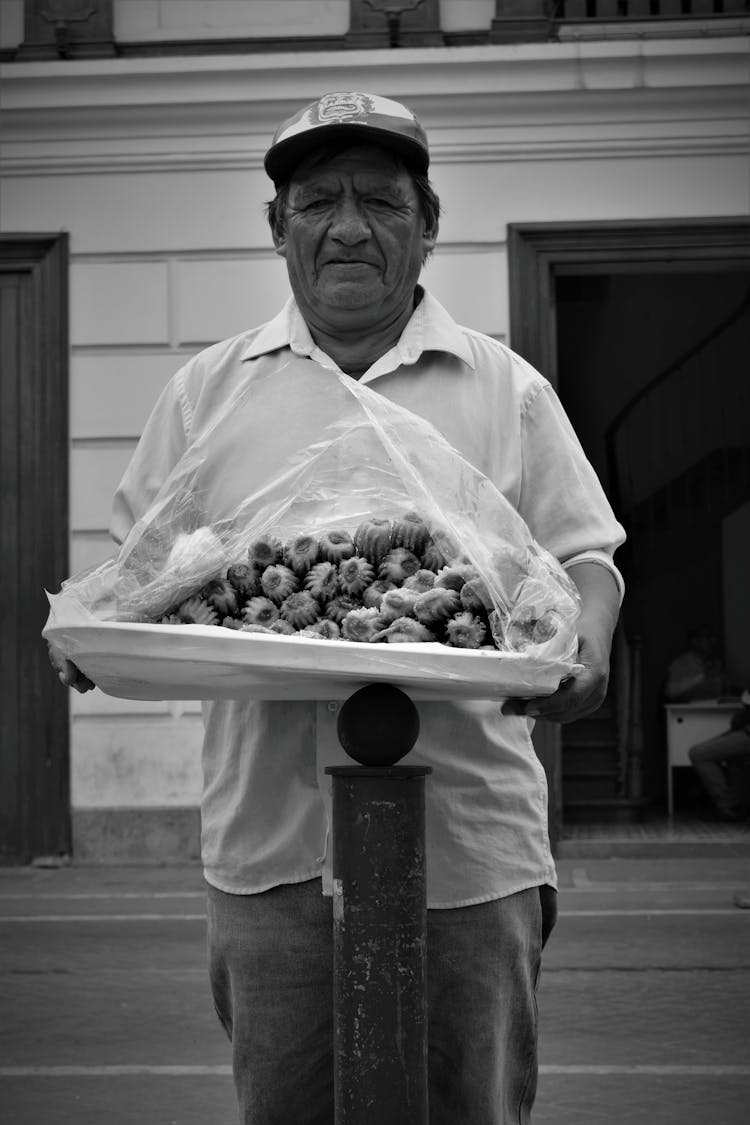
430, 328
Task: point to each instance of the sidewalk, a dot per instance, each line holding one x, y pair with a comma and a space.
107, 1016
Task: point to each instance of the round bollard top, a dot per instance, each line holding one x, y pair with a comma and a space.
378, 725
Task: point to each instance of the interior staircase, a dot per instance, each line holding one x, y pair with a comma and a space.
592, 789
599, 780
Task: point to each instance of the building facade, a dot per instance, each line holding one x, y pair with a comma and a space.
595, 181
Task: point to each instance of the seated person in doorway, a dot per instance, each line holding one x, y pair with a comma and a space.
697, 673
711, 757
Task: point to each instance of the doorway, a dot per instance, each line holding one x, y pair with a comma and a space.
34, 752
644, 330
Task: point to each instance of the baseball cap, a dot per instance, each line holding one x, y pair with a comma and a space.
361, 118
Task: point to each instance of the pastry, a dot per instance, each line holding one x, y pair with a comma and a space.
355, 575
322, 630
323, 581
421, 581
300, 609
405, 630
398, 564
465, 631
194, 611
245, 579
301, 553
410, 531
335, 546
338, 607
434, 607
265, 551
372, 539
221, 596
398, 603
373, 595
278, 582
361, 624
260, 611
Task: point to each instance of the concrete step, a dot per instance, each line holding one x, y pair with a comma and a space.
586, 784
609, 808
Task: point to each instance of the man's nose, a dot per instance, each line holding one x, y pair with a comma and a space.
349, 224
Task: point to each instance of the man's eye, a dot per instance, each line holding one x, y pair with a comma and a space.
315, 205
380, 201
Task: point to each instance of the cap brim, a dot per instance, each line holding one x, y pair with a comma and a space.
283, 157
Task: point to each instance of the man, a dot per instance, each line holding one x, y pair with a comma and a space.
696, 673
713, 759
355, 217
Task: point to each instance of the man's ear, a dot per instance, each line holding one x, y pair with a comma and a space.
429, 240
279, 244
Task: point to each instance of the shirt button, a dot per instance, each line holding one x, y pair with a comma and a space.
333, 706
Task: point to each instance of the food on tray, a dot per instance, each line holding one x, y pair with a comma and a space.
245, 580
323, 581
283, 627
361, 624
300, 609
372, 539
338, 607
398, 565
397, 603
322, 630
373, 595
260, 611
221, 596
265, 552
421, 581
405, 630
465, 631
391, 582
355, 575
278, 582
434, 608
302, 553
411, 532
336, 545
193, 611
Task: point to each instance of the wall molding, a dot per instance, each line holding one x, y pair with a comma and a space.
506, 102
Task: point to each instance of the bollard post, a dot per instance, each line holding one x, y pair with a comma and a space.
379, 916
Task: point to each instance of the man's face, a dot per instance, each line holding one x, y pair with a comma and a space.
354, 239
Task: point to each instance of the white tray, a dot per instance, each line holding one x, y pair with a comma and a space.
134, 661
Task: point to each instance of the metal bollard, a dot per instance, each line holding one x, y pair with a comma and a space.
379, 916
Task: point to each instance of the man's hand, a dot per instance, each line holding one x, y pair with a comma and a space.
584, 692
578, 696
68, 674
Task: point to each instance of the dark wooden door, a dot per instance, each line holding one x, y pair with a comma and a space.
34, 756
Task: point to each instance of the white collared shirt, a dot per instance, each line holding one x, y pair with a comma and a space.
266, 800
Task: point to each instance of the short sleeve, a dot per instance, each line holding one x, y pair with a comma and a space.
162, 443
562, 499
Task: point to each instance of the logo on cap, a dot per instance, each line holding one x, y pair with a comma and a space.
343, 107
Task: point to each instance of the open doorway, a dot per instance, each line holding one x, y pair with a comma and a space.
652, 370
645, 331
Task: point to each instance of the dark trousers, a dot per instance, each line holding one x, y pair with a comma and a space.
271, 971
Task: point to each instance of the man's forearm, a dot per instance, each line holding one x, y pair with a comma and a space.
600, 604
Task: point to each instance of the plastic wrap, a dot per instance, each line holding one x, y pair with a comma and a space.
371, 460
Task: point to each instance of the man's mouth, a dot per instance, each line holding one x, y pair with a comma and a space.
348, 262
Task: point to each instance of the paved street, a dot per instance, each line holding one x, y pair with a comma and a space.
105, 1013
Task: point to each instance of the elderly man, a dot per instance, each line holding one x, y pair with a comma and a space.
355, 217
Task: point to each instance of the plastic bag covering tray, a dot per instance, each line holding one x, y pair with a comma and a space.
139, 661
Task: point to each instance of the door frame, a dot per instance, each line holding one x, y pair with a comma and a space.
35, 723
539, 253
